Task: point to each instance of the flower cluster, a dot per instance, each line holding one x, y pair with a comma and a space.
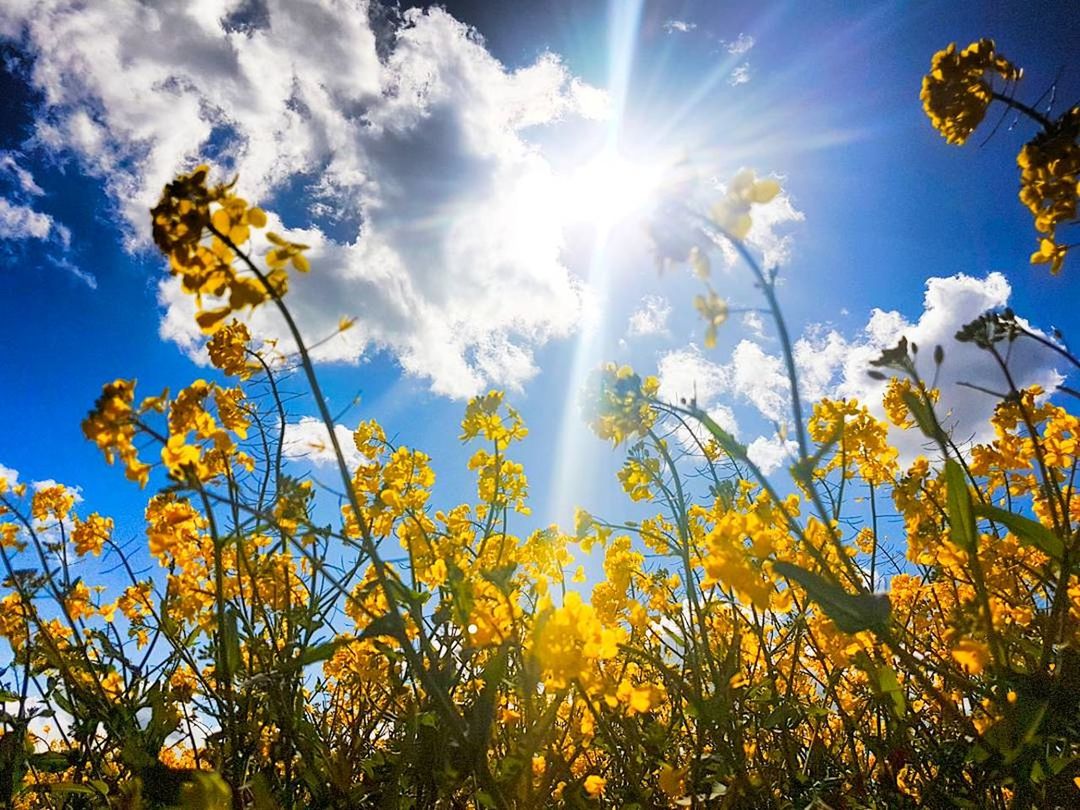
956, 93
618, 403
202, 230
732, 213
1050, 184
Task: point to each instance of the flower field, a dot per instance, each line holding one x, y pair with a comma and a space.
757, 641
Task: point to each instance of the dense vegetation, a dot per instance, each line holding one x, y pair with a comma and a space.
736, 654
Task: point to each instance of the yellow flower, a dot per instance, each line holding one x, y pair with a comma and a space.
714, 310
617, 403
971, 655
672, 780
1049, 170
285, 252
51, 502
732, 213
569, 640
436, 574
9, 537
594, 785
228, 350
197, 227
113, 685
955, 93
89, 535
77, 602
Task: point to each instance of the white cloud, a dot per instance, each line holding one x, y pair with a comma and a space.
817, 356
23, 178
308, 440
20, 221
686, 375
416, 140
759, 379
739, 75
829, 364
948, 304
651, 318
23, 222
754, 323
679, 26
674, 233
741, 44
770, 453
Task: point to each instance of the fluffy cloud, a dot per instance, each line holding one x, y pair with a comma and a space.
674, 233
651, 318
770, 453
740, 74
768, 235
948, 304
679, 26
830, 364
754, 323
20, 221
308, 440
686, 375
740, 45
24, 179
410, 140
23, 222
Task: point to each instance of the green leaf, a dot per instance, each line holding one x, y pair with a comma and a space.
206, 791
851, 613
961, 514
885, 683
12, 761
321, 652
384, 625
228, 645
60, 788
480, 716
890, 686
1026, 530
49, 761
924, 416
500, 576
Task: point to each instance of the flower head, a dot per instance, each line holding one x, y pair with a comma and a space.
617, 402
956, 92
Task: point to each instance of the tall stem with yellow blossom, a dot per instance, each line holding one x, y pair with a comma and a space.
433, 688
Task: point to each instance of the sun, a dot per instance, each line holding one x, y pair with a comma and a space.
609, 188
598, 193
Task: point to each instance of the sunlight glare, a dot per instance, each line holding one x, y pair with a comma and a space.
609, 188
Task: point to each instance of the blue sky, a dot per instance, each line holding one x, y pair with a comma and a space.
431, 157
